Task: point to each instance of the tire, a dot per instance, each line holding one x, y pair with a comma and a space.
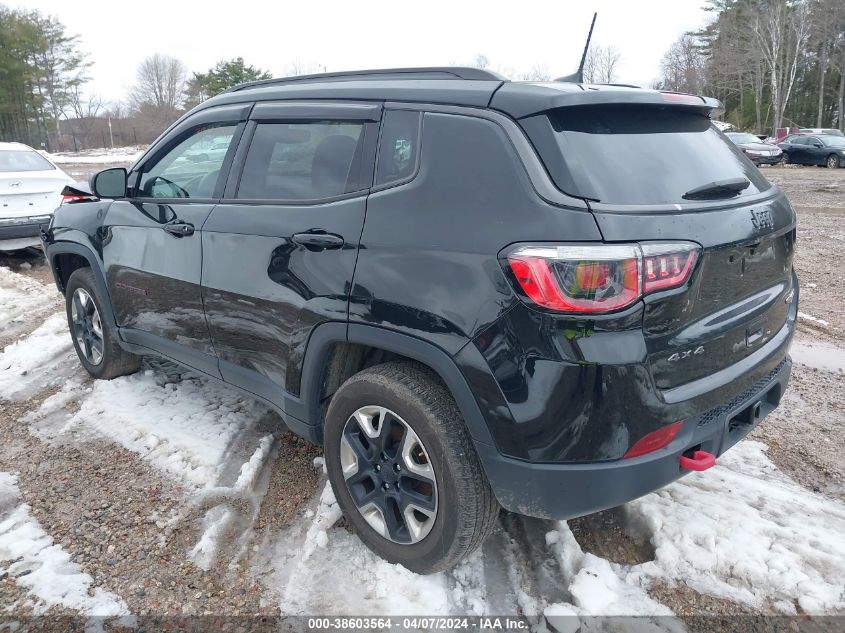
785, 160
103, 359
465, 510
833, 161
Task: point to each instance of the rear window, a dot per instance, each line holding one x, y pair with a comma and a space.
634, 155
23, 160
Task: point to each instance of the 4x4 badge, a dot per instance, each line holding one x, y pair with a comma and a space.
686, 354
762, 219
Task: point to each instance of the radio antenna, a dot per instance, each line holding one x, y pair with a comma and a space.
578, 77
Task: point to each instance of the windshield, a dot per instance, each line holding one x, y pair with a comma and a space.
637, 155
744, 138
23, 160
834, 141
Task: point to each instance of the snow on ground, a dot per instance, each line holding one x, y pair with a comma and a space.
742, 531
180, 423
28, 554
312, 550
745, 531
818, 354
803, 316
22, 299
203, 435
97, 156
42, 359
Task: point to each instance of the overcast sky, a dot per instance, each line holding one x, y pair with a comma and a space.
333, 35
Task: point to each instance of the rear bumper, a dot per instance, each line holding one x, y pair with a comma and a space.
17, 233
566, 491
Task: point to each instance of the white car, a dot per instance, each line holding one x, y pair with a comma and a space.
30, 190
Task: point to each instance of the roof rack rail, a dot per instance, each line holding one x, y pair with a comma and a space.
434, 72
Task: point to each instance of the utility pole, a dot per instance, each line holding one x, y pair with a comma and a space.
111, 134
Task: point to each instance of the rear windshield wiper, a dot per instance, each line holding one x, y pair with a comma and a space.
718, 189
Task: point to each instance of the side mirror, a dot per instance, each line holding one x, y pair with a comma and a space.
817, 144
109, 183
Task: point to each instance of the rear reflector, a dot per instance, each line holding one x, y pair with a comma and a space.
655, 440
598, 278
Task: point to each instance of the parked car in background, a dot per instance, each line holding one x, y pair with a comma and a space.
819, 149
214, 150
759, 152
30, 190
821, 130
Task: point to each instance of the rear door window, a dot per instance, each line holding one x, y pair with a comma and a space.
302, 161
637, 155
398, 147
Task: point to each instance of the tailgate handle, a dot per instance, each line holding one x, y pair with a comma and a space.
754, 332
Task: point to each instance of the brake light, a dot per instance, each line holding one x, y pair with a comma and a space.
679, 97
597, 278
663, 270
655, 440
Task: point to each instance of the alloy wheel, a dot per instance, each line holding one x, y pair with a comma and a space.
87, 326
833, 162
389, 474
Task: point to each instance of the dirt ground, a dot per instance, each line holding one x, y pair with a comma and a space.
87, 494
810, 187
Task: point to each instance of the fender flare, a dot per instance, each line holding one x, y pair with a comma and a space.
307, 406
74, 248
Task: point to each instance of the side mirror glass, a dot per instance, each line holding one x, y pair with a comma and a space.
109, 183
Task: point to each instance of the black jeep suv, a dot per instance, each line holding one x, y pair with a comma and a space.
474, 293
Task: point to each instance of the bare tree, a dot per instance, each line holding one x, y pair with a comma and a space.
480, 61
781, 29
600, 64
538, 72
160, 84
683, 66
298, 67
82, 107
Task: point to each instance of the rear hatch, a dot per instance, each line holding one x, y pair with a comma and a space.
664, 173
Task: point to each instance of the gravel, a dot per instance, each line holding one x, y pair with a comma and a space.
810, 186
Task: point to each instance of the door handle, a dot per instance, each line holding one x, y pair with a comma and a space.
318, 240
179, 229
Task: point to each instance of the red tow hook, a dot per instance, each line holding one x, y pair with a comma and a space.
700, 460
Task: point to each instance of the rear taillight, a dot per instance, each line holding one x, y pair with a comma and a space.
578, 279
77, 198
596, 278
